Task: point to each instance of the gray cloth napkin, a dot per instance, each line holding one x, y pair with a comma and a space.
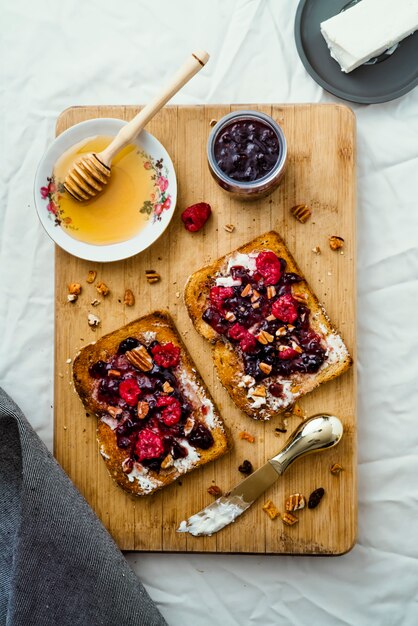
58, 564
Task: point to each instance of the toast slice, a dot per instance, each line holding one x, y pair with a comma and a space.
264, 373
156, 418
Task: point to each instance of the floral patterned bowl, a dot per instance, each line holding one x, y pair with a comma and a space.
158, 209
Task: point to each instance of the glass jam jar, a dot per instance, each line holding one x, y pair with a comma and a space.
247, 154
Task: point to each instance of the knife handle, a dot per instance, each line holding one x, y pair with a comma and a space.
317, 433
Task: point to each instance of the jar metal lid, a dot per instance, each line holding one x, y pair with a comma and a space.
260, 183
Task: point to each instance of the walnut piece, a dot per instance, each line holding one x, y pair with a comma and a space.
189, 425
336, 469
103, 289
301, 212
259, 392
114, 411
167, 462
214, 490
72, 297
143, 409
335, 242
93, 320
316, 250
271, 510
247, 436
295, 502
152, 276
229, 228
128, 298
91, 276
167, 388
289, 519
74, 289
140, 358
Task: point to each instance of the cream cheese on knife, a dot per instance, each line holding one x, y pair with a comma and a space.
368, 29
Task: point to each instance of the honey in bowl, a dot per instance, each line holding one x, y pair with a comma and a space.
137, 187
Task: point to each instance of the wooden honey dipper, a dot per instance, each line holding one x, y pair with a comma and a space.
91, 172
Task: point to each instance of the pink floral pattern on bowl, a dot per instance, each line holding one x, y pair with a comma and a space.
160, 199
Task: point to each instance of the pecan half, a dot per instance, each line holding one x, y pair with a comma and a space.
167, 462
264, 337
91, 276
335, 242
289, 519
140, 358
215, 491
128, 298
271, 510
152, 276
247, 436
295, 502
301, 212
143, 409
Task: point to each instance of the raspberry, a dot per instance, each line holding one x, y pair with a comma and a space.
196, 216
288, 354
129, 391
269, 267
149, 445
284, 309
166, 355
218, 295
171, 412
247, 341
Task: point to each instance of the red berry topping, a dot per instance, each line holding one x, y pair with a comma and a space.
171, 412
284, 309
196, 216
129, 391
247, 341
149, 445
218, 295
166, 355
269, 267
288, 354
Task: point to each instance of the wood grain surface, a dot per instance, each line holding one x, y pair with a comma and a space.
321, 173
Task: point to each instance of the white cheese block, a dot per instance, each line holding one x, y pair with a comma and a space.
367, 29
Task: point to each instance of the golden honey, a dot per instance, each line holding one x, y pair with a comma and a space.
114, 215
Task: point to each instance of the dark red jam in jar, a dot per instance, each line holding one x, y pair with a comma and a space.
247, 154
247, 150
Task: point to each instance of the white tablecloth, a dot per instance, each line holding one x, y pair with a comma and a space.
57, 54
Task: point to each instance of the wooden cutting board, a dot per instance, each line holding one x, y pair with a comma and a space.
321, 173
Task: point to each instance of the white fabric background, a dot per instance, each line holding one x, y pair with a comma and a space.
57, 54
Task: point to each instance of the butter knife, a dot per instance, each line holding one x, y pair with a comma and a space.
319, 432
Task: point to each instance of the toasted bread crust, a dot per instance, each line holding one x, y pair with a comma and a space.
227, 360
160, 323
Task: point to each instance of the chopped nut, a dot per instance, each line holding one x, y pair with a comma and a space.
214, 490
128, 298
265, 368
271, 291
167, 462
315, 498
103, 289
91, 276
295, 502
167, 388
259, 391
300, 297
74, 289
255, 296
143, 409
256, 305
213, 122
270, 318
279, 431
114, 373
271, 510
247, 436
264, 337
316, 250
248, 380
189, 425
247, 291
229, 228
336, 469
289, 519
114, 411
301, 212
246, 468
230, 316
281, 332
93, 320
290, 328
296, 347
95, 302
335, 242
152, 276
72, 297
140, 358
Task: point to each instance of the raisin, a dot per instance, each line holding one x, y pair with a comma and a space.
315, 498
246, 468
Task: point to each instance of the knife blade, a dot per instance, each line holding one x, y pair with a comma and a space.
317, 433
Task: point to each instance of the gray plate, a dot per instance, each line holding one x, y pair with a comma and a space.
389, 78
